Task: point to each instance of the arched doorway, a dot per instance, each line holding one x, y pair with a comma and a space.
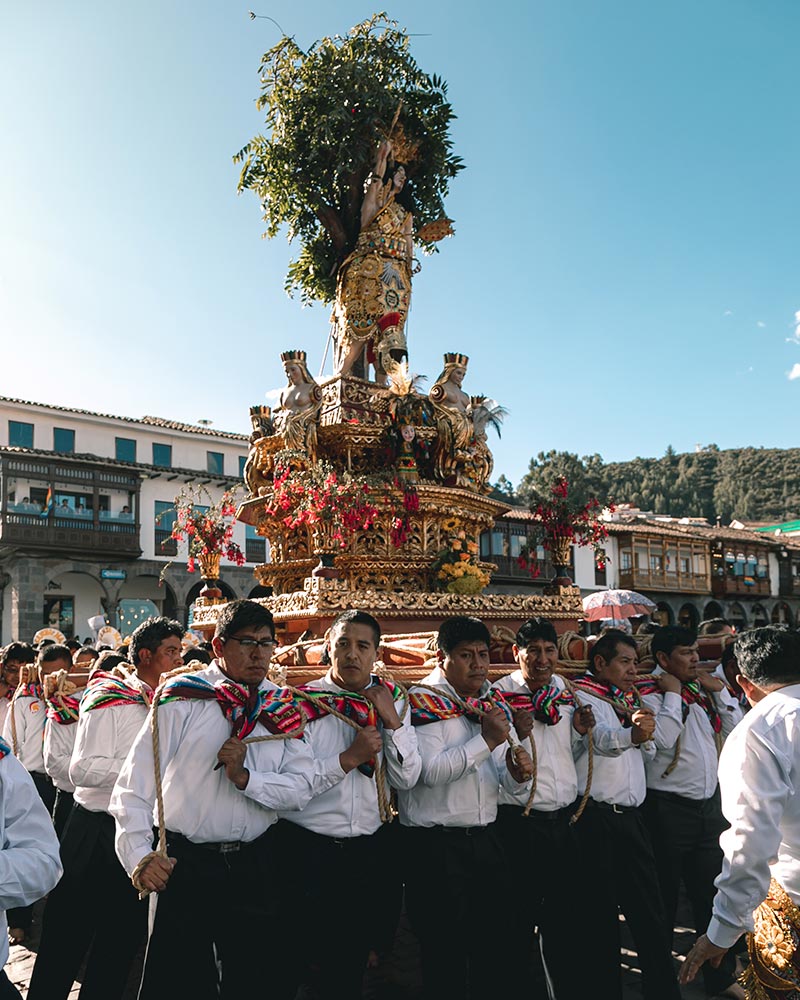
737, 616
689, 616
148, 588
782, 614
70, 599
227, 592
760, 616
712, 610
663, 614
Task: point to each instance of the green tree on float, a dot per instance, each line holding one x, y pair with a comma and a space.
327, 110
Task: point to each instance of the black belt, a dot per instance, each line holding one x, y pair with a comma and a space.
611, 807
674, 797
548, 815
462, 831
219, 847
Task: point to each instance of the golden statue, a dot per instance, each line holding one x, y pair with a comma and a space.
451, 406
296, 418
373, 289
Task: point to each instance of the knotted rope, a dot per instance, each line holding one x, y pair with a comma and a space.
25, 672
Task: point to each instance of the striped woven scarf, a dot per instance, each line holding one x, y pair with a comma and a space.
623, 702
5, 749
63, 709
351, 704
31, 689
691, 694
242, 706
544, 703
427, 707
109, 690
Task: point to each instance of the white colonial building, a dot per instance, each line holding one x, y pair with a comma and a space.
86, 516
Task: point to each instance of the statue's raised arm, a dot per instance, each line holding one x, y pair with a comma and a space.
374, 286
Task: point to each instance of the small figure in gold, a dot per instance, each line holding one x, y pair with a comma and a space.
296, 419
374, 284
451, 407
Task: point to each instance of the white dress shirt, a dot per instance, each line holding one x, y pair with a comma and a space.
695, 774
346, 805
30, 715
30, 864
4, 705
461, 776
618, 775
201, 803
103, 739
59, 742
758, 776
556, 749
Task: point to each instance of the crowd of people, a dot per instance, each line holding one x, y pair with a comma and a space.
262, 836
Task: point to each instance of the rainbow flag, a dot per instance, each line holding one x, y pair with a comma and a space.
48, 503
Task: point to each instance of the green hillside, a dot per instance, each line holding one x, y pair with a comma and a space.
746, 483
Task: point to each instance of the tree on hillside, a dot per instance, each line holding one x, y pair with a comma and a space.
327, 111
585, 476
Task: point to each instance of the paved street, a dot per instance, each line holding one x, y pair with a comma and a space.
398, 979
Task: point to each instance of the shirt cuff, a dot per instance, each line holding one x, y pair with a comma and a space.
723, 935
399, 742
477, 750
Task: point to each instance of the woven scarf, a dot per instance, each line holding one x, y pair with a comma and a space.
5, 749
544, 703
109, 690
623, 702
241, 705
351, 704
691, 694
427, 707
63, 711
31, 689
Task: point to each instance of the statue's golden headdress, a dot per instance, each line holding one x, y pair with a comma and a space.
456, 359
298, 357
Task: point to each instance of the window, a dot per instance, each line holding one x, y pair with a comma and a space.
255, 547
625, 561
215, 463
20, 435
162, 455
164, 545
126, 449
63, 441
242, 463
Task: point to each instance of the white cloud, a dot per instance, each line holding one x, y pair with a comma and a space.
760, 324
794, 373
273, 395
795, 338
728, 312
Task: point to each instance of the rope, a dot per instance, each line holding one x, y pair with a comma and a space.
24, 678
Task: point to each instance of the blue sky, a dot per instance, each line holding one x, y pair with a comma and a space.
624, 271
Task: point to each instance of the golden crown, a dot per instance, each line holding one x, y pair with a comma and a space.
293, 356
456, 359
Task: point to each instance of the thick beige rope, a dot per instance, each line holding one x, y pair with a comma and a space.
26, 671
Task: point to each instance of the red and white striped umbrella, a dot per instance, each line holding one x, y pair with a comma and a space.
616, 604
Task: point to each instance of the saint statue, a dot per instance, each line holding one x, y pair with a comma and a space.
451, 406
373, 289
296, 418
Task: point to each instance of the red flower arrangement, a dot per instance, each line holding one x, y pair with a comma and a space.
562, 523
208, 528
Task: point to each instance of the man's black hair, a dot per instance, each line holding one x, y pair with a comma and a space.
73, 644
536, 628
150, 634
669, 637
86, 651
769, 655
648, 628
236, 615
606, 645
713, 626
196, 655
458, 629
19, 652
55, 651
358, 618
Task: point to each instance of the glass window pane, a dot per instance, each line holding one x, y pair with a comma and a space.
63, 440
126, 450
20, 435
242, 461
216, 463
162, 455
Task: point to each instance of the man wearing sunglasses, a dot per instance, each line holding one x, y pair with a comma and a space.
223, 782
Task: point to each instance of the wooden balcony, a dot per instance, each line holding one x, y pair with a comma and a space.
105, 539
739, 586
678, 583
508, 569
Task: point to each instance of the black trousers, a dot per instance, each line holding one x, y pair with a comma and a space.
22, 916
216, 925
347, 899
621, 875
545, 880
451, 873
61, 811
94, 909
685, 834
